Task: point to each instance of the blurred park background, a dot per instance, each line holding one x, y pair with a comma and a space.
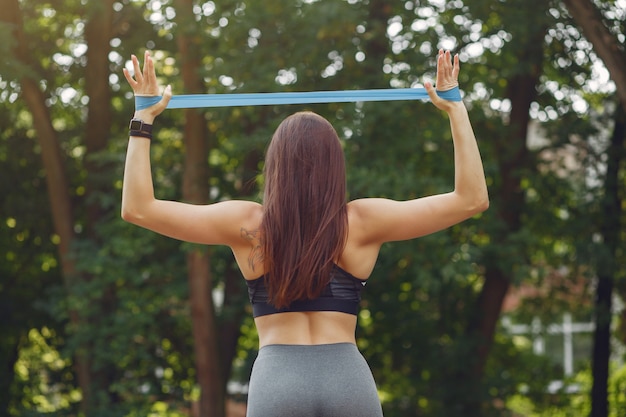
517, 312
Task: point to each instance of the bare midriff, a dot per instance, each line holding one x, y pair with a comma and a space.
306, 328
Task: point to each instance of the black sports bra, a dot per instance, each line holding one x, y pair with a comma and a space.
342, 294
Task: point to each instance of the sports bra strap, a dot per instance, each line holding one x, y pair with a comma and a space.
342, 294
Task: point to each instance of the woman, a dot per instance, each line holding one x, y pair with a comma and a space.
305, 252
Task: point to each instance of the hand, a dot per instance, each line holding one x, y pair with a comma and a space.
447, 78
145, 84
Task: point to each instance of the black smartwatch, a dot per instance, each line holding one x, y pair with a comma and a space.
139, 128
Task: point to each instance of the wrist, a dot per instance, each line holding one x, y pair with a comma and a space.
140, 128
145, 116
455, 107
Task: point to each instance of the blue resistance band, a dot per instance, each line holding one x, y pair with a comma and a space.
193, 101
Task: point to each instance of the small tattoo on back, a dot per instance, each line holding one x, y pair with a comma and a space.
254, 238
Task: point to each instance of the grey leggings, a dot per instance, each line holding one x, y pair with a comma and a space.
331, 380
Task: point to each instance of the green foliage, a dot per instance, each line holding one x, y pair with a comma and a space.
573, 398
413, 329
43, 375
28, 258
417, 307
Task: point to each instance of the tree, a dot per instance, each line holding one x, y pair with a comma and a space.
28, 252
602, 32
78, 177
607, 267
56, 176
510, 151
195, 190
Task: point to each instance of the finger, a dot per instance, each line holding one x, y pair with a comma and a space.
432, 94
150, 75
147, 64
136, 68
443, 69
158, 108
446, 63
167, 95
129, 78
456, 67
440, 62
146, 70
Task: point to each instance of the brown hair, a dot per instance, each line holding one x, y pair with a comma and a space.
305, 220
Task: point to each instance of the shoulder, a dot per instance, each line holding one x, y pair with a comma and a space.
365, 206
363, 211
212, 224
379, 220
239, 215
241, 208
233, 213
220, 223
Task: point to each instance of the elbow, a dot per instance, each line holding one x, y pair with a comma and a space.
129, 215
134, 207
484, 205
476, 203
472, 204
481, 204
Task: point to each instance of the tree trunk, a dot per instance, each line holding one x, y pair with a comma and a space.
513, 165
205, 335
605, 43
514, 157
98, 33
235, 292
195, 190
607, 267
56, 178
601, 347
376, 44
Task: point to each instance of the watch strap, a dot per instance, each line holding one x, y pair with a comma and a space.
141, 134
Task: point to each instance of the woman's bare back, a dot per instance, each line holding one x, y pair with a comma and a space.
312, 327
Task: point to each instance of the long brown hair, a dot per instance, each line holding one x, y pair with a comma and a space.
305, 220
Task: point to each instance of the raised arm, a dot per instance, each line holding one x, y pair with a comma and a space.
380, 220
219, 223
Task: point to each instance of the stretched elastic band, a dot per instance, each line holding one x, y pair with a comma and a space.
193, 101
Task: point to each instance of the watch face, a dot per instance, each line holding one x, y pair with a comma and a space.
135, 124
